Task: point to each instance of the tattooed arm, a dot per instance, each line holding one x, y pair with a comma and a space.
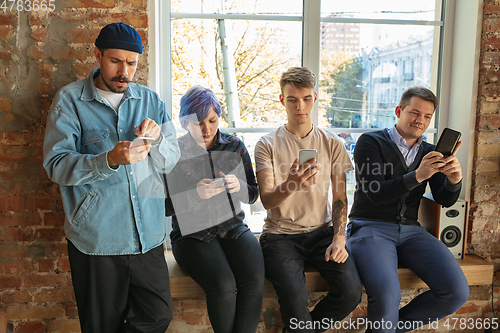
336, 251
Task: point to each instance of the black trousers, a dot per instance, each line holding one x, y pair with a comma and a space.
122, 293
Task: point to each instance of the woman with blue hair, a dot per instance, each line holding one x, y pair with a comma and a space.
210, 240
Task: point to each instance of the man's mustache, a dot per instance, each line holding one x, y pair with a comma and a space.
121, 78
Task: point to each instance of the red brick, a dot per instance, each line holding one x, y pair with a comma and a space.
63, 265
191, 319
45, 265
41, 202
5, 55
9, 19
45, 87
144, 37
70, 310
15, 296
488, 122
55, 295
14, 139
489, 58
35, 19
34, 311
5, 104
490, 42
35, 51
467, 309
84, 70
40, 33
31, 327
46, 70
84, 35
35, 281
56, 250
49, 234
489, 75
14, 153
13, 251
6, 33
15, 234
193, 304
491, 8
139, 5
68, 53
489, 90
13, 219
90, 4
53, 219
491, 24
15, 266
138, 21
16, 203
10, 282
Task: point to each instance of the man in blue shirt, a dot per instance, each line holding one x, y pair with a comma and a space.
115, 228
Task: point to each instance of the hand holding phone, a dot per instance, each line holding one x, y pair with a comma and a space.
447, 142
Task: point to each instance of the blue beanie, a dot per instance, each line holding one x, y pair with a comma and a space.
119, 36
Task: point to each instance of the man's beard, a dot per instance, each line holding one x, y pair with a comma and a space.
117, 78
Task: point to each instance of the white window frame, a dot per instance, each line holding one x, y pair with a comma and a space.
456, 83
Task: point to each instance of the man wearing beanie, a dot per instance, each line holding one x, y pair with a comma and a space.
115, 231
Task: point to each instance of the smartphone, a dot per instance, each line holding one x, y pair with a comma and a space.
447, 142
141, 140
219, 181
306, 154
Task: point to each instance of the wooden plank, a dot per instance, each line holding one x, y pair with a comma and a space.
477, 271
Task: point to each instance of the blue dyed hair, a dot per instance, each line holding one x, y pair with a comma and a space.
196, 105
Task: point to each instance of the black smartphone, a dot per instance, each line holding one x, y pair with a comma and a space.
447, 141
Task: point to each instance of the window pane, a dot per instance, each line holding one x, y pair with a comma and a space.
361, 89
289, 7
380, 9
259, 50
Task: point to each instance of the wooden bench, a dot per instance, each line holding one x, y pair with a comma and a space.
477, 270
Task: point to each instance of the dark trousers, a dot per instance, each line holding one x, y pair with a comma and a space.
231, 272
285, 257
378, 248
121, 293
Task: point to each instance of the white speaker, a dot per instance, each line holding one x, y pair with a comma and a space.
446, 223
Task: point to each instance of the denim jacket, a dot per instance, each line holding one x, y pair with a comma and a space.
106, 211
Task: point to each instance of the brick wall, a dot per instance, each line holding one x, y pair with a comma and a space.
41, 52
484, 218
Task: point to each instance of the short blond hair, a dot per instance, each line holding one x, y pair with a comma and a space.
298, 77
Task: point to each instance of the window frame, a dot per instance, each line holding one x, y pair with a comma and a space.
455, 73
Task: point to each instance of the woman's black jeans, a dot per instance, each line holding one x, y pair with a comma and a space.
231, 272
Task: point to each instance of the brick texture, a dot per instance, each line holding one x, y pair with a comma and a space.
484, 233
54, 48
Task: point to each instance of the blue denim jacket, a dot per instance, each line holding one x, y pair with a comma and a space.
106, 211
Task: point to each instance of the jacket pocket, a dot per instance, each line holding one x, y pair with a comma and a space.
95, 141
86, 206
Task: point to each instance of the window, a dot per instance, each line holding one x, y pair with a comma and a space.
260, 39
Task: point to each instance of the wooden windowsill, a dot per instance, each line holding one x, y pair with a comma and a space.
477, 271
